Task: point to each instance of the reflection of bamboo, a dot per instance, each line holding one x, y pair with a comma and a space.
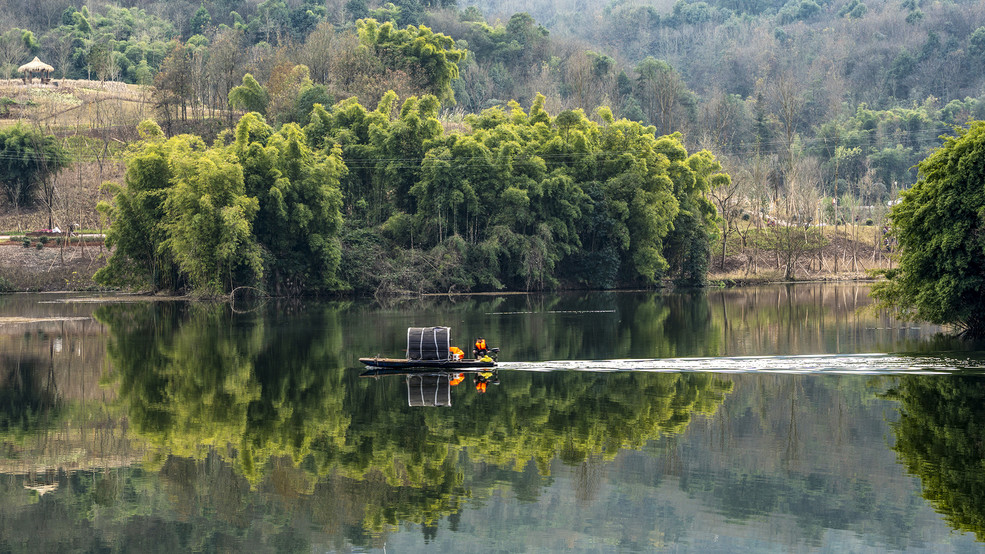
589, 478
725, 426
793, 436
725, 327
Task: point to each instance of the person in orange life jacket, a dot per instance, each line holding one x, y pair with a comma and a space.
479, 349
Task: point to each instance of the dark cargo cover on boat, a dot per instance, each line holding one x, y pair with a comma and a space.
428, 343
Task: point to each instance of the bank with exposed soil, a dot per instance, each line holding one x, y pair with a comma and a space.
50, 268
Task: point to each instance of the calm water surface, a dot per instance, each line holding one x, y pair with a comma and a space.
766, 419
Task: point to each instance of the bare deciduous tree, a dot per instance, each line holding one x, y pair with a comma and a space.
11, 52
663, 94
59, 47
317, 52
796, 230
729, 202
226, 66
786, 96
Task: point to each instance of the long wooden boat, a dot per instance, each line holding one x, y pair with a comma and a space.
430, 347
442, 365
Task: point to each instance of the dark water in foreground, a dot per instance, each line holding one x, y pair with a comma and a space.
768, 419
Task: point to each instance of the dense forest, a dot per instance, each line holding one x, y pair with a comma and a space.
818, 111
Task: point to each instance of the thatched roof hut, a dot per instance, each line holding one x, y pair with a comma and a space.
35, 66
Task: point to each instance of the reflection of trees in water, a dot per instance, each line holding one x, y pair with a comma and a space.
267, 394
939, 438
52, 408
531, 417
513, 434
258, 427
197, 378
28, 395
788, 450
803, 318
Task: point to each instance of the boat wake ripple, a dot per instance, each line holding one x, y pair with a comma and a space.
853, 364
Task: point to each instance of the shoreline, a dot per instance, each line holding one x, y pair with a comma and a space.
69, 269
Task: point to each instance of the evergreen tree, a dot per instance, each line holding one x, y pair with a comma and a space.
941, 272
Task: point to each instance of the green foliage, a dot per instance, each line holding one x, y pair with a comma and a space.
430, 56
692, 13
695, 227
356, 9
898, 78
892, 165
274, 20
209, 221
28, 159
938, 440
112, 40
221, 217
853, 9
298, 192
388, 12
532, 197
526, 199
200, 22
941, 272
305, 103
249, 96
349, 125
798, 10
886, 144
137, 216
976, 43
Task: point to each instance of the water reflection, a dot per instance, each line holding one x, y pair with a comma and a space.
939, 439
431, 388
214, 384
723, 420
195, 378
28, 399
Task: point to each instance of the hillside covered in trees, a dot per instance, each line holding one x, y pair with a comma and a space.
817, 110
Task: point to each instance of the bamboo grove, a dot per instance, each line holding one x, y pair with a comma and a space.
389, 199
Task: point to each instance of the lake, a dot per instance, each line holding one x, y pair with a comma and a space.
759, 419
